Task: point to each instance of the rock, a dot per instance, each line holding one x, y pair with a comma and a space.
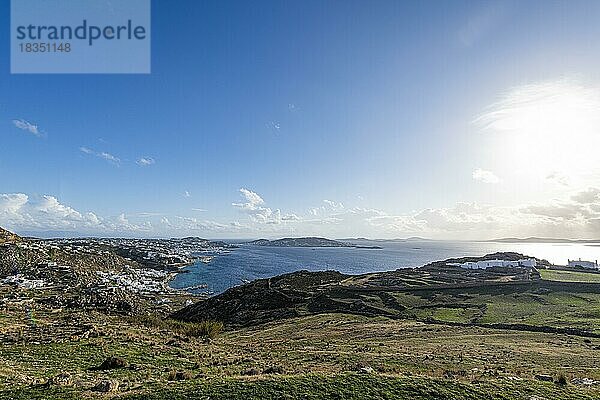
112, 363
544, 378
63, 379
584, 381
251, 372
106, 386
366, 370
274, 369
90, 332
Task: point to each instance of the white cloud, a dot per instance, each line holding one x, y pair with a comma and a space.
330, 206
290, 217
559, 178
588, 196
12, 202
199, 209
20, 212
165, 221
575, 215
485, 176
109, 157
103, 155
253, 200
145, 161
253, 206
545, 107
29, 127
149, 214
334, 205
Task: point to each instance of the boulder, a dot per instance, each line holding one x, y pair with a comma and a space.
106, 386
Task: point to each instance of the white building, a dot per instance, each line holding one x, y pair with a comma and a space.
528, 263
583, 264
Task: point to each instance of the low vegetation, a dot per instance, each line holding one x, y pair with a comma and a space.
570, 276
208, 329
436, 333
314, 357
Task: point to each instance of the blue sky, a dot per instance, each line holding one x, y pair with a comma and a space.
336, 118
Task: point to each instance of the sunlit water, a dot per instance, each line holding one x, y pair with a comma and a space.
252, 262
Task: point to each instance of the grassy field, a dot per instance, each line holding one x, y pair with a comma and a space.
346, 386
438, 345
316, 357
570, 276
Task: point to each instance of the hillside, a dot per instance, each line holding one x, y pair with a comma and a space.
435, 332
375, 294
8, 237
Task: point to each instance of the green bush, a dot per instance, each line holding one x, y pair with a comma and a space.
561, 379
209, 329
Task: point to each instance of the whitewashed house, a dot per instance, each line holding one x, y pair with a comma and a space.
583, 264
527, 263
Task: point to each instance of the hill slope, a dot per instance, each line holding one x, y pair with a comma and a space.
8, 237
374, 294
300, 242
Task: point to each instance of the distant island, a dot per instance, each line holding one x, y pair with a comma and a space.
542, 240
363, 239
307, 242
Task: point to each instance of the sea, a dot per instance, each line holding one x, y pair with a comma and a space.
248, 262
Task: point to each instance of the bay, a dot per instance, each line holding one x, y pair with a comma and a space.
249, 262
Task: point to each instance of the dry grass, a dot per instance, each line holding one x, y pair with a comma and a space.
210, 329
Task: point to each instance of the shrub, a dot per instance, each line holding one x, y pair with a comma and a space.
210, 329
561, 379
179, 375
112, 363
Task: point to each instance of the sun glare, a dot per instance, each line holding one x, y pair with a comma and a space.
547, 127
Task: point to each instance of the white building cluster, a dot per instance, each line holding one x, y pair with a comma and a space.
583, 264
524, 263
